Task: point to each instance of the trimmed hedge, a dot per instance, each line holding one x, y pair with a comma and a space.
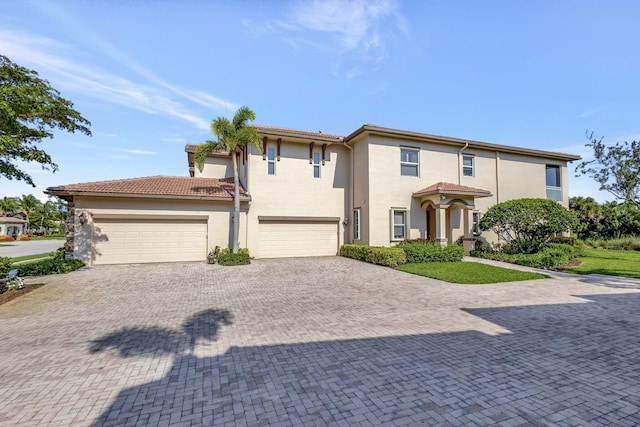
379, 255
418, 252
49, 266
241, 258
552, 255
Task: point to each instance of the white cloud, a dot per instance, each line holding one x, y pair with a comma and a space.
357, 28
153, 95
589, 113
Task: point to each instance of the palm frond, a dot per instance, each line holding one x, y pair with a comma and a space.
222, 127
248, 135
242, 116
202, 151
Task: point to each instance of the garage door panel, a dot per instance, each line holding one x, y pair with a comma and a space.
142, 241
280, 239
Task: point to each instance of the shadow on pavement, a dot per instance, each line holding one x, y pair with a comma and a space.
565, 364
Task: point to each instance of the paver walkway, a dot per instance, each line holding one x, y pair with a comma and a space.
319, 341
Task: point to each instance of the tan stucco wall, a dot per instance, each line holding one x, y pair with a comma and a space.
506, 176
293, 191
218, 214
361, 187
215, 167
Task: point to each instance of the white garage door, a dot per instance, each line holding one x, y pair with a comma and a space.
120, 241
279, 239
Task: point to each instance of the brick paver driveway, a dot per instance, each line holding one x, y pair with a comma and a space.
315, 342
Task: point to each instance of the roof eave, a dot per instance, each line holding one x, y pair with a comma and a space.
71, 193
424, 137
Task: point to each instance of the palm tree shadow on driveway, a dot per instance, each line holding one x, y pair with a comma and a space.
564, 363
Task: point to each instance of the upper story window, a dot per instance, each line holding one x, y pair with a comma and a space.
554, 187
398, 224
316, 164
409, 161
468, 166
271, 161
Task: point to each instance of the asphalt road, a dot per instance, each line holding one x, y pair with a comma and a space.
30, 247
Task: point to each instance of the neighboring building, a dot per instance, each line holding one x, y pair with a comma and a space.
11, 226
306, 193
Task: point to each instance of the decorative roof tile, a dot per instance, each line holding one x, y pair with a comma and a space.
11, 220
449, 188
155, 186
301, 133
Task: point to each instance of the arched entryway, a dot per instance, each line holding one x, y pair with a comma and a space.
449, 212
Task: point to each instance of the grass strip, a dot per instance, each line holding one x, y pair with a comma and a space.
609, 262
468, 272
45, 255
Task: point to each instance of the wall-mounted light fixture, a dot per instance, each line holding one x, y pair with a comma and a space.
82, 218
345, 221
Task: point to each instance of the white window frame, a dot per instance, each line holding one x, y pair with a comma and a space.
554, 192
271, 160
405, 230
356, 224
316, 164
403, 162
471, 167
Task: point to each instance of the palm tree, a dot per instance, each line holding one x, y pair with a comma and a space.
8, 205
28, 203
232, 136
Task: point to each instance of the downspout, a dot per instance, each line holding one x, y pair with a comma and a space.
460, 162
351, 190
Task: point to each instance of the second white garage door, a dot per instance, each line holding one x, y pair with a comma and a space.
119, 241
280, 239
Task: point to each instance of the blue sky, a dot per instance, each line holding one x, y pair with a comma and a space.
151, 75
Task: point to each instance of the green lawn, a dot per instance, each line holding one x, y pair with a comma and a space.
609, 262
468, 272
30, 257
51, 237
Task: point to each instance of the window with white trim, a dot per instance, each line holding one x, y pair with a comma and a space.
468, 166
316, 164
398, 224
356, 224
409, 161
554, 188
271, 161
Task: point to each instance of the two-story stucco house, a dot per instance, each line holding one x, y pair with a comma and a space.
306, 193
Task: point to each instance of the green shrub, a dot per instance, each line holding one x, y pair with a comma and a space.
552, 255
379, 255
565, 240
418, 252
241, 258
5, 266
215, 256
55, 265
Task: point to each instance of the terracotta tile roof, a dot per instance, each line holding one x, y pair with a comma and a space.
302, 133
448, 188
11, 220
155, 186
191, 148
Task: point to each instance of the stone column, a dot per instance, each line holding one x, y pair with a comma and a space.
70, 230
441, 226
468, 241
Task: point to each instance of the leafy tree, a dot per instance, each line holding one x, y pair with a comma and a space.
616, 168
28, 203
530, 223
8, 205
29, 111
232, 137
590, 216
44, 215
